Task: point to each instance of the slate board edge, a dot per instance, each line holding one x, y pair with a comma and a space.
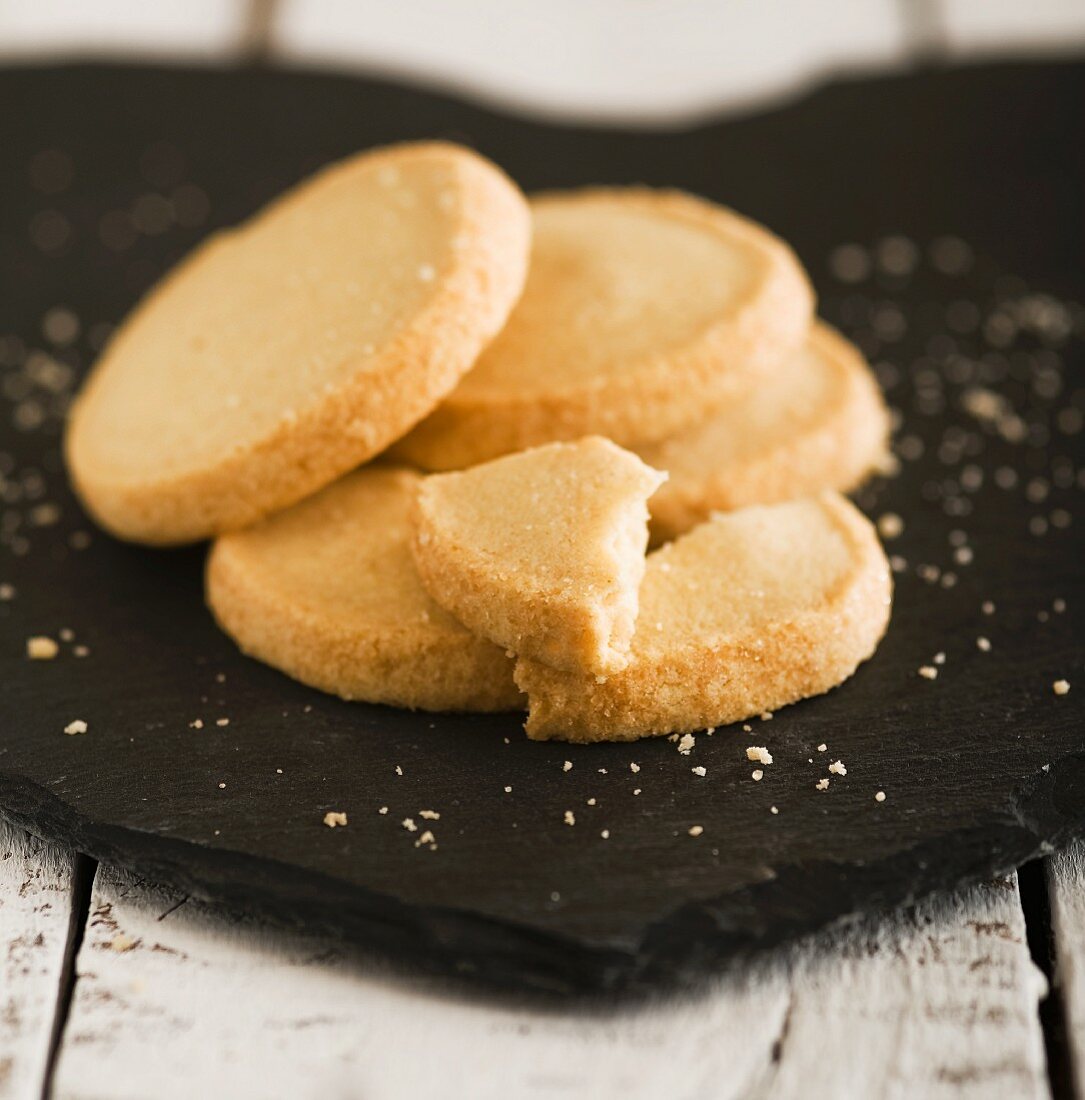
679, 950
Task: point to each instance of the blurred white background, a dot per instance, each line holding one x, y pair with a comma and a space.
632, 61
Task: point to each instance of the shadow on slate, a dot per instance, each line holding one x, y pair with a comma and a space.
983, 767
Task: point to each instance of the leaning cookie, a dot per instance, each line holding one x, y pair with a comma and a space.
748, 612
284, 352
326, 592
643, 310
819, 423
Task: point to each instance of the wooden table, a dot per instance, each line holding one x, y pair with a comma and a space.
115, 987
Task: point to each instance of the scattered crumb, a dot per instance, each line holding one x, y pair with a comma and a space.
41, 648
222, 786
773, 810
983, 644
7, 592
569, 818
696, 830
766, 716
880, 796
426, 838
759, 753
699, 771
686, 743
335, 817
822, 784
278, 771
409, 825
837, 768
939, 658
605, 834
1058, 606
1061, 687
222, 721
747, 728
636, 790
196, 724
929, 672
383, 810
567, 766
987, 607
508, 790
66, 634
634, 768
757, 775
590, 802
81, 651
429, 815
822, 747
890, 526
78, 726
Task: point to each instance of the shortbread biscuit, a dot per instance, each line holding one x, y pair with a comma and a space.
282, 353
326, 592
541, 552
642, 311
748, 612
818, 423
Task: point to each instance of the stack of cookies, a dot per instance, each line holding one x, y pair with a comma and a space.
433, 429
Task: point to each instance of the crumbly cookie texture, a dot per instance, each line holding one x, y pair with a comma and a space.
283, 353
818, 423
748, 612
642, 311
326, 592
541, 552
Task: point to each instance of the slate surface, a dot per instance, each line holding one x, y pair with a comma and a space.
962, 193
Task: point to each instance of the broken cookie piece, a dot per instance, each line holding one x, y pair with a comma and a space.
748, 612
542, 552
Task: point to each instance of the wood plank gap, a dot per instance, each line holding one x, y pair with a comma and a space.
82, 883
1036, 906
926, 37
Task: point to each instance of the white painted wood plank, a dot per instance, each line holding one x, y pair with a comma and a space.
1013, 27
35, 917
119, 28
183, 1001
650, 61
1066, 882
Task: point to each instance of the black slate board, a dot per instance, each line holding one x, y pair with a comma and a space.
983, 767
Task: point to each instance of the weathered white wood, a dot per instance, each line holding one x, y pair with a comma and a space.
181, 1001
1066, 882
35, 919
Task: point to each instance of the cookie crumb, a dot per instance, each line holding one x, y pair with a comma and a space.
686, 743
939, 658
41, 648
508, 790
81, 651
696, 830
409, 825
399, 770
983, 644
634, 768
569, 818
567, 766
1061, 687
222, 786
890, 525
7, 592
773, 810
823, 747
426, 838
699, 770
759, 753
928, 672
987, 607
78, 726
429, 815
196, 724
880, 796
822, 784
757, 775
383, 810
837, 768
222, 721
605, 834
335, 817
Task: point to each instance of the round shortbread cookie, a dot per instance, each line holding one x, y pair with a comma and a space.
326, 592
818, 423
284, 352
748, 612
642, 311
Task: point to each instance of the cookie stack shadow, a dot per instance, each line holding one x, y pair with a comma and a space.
433, 428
